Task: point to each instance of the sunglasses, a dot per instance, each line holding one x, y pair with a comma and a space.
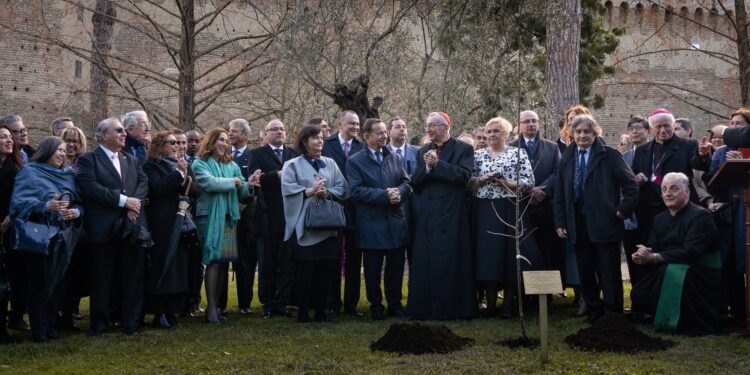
119, 130
171, 141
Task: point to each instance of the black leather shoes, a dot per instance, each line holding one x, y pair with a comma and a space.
355, 313
594, 316
378, 315
583, 309
400, 314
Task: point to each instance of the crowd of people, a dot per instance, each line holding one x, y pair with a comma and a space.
143, 221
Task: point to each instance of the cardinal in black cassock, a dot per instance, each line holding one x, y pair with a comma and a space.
441, 275
683, 279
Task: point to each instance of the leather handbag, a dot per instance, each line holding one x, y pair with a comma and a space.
32, 236
324, 214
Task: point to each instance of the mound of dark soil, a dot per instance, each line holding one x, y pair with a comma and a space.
521, 342
614, 333
416, 338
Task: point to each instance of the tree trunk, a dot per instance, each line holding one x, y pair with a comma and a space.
187, 66
563, 46
743, 50
353, 97
103, 24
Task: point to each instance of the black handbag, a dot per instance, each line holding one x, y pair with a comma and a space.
324, 214
32, 236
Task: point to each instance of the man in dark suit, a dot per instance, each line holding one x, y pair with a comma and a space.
398, 133
244, 268
113, 186
339, 147
379, 185
595, 190
275, 276
545, 158
653, 160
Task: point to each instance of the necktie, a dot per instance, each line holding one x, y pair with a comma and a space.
278, 152
530, 144
116, 163
379, 157
235, 154
580, 173
346, 149
401, 154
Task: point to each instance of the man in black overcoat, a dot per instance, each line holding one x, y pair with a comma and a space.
340, 147
275, 275
441, 274
595, 191
379, 188
652, 161
113, 186
545, 157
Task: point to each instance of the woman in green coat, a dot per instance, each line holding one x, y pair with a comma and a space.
217, 210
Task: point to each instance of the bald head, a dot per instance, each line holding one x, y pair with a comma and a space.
528, 123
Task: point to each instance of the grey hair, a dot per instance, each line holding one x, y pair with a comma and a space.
441, 120
681, 178
102, 127
589, 121
243, 124
660, 116
131, 118
10, 119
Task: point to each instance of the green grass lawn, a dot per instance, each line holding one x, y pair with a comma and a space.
248, 344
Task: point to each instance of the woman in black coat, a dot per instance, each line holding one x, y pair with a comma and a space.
10, 163
595, 191
167, 180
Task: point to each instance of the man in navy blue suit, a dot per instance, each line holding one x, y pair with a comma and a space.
379, 186
398, 134
339, 147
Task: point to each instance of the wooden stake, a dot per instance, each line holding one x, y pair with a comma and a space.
543, 339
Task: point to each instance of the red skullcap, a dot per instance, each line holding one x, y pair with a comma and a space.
446, 117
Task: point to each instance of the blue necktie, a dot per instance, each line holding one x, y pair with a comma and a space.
379, 157
580, 174
235, 154
403, 159
278, 152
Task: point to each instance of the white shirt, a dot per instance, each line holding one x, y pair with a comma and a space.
116, 162
240, 150
585, 156
402, 148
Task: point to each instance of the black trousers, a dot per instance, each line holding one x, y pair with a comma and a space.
42, 309
276, 272
195, 277
599, 268
629, 244
19, 286
312, 282
550, 245
393, 277
352, 277
116, 284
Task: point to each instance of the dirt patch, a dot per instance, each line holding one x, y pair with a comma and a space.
521, 342
416, 338
614, 333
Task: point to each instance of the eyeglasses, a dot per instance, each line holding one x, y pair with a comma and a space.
276, 129
530, 121
119, 130
71, 141
20, 131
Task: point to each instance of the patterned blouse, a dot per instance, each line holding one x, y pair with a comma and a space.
505, 163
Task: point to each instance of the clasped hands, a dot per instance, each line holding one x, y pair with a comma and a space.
644, 255
394, 196
61, 207
318, 189
431, 158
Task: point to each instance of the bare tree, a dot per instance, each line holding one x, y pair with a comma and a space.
211, 50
